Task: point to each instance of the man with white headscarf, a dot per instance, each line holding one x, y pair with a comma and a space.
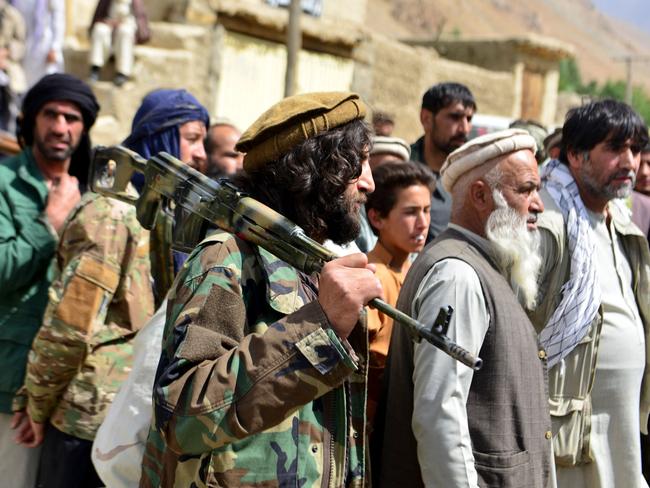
594, 309
455, 426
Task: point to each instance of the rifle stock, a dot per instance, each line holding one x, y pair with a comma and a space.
197, 198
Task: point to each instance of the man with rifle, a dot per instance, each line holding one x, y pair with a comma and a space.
262, 379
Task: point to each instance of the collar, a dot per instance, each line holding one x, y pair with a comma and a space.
621, 216
481, 242
383, 256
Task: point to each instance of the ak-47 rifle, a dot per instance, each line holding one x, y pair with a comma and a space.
198, 199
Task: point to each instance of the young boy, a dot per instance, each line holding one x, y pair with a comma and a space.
398, 212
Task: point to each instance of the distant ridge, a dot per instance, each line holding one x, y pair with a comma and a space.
596, 37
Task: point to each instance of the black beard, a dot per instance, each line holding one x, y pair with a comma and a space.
342, 222
53, 155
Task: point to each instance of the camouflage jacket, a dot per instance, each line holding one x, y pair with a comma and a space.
100, 298
254, 389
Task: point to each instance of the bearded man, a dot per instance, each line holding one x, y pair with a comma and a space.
262, 378
38, 189
594, 308
455, 426
446, 117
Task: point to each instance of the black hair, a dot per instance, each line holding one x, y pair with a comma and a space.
444, 94
307, 182
604, 120
392, 177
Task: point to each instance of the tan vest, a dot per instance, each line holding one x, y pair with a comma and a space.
570, 385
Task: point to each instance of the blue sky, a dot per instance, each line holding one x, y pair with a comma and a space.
636, 12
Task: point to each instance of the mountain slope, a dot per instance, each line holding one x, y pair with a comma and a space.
597, 38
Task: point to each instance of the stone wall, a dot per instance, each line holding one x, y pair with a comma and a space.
392, 77
252, 76
230, 55
533, 61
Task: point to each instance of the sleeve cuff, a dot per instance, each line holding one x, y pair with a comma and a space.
19, 402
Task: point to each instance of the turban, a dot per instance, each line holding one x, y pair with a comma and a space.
391, 145
481, 150
63, 87
58, 86
156, 124
294, 120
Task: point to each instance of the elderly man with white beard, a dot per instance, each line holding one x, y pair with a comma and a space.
455, 426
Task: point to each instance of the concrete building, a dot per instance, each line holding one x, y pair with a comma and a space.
231, 55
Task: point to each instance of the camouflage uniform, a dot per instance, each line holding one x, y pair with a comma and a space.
100, 298
254, 388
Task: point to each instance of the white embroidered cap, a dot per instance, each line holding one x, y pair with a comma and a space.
391, 145
482, 149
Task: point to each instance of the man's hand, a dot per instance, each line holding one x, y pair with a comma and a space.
51, 56
20, 423
347, 284
64, 195
39, 432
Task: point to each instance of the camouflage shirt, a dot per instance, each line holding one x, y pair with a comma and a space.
254, 389
100, 298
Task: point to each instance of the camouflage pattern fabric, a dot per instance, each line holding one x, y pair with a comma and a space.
254, 389
100, 298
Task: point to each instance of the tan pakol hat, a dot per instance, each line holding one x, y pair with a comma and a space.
391, 145
294, 120
481, 150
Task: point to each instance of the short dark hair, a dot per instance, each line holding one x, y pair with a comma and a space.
392, 177
444, 94
603, 120
303, 183
379, 117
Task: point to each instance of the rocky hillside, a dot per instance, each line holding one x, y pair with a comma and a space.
597, 39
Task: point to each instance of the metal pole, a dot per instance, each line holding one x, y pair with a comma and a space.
294, 40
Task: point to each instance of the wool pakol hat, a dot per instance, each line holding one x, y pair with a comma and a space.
481, 150
391, 145
294, 120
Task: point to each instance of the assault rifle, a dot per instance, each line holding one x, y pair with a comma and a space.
195, 199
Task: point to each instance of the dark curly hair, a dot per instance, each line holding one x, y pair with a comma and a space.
308, 183
600, 121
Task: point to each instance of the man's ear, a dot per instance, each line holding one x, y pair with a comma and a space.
426, 118
375, 220
480, 196
577, 159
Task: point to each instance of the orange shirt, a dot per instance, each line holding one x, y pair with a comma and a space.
380, 326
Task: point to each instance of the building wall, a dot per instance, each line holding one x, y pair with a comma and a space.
392, 77
252, 76
527, 62
239, 75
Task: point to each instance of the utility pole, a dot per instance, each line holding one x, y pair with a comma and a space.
294, 41
628, 60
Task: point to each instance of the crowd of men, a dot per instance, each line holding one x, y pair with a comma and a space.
125, 361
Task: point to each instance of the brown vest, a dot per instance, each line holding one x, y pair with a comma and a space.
507, 404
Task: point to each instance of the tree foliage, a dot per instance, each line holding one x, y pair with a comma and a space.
571, 81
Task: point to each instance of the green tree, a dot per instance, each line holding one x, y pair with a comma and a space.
571, 81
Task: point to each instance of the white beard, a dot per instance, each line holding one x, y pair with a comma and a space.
516, 249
